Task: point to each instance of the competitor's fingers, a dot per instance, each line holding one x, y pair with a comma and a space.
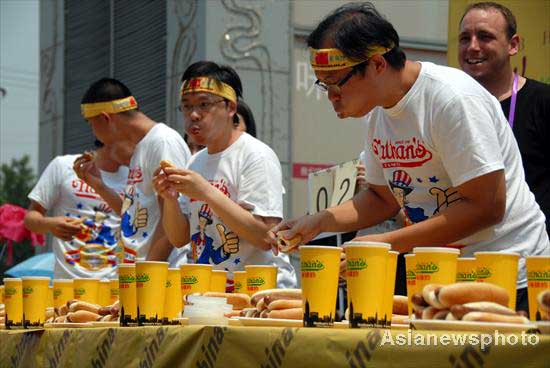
221, 231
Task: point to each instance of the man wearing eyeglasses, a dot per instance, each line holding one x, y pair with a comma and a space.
231, 193
434, 134
112, 112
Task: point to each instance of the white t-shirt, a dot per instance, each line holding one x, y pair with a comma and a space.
140, 208
93, 252
249, 173
444, 132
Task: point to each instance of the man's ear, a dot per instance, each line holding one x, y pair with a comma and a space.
514, 45
380, 64
232, 107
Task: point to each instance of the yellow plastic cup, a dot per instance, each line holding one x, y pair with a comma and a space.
104, 293
172, 300
389, 286
127, 293
500, 269
260, 277
151, 288
320, 268
239, 279
435, 265
63, 291
35, 300
410, 267
466, 269
50, 297
113, 291
1, 294
218, 280
366, 270
195, 278
538, 280
86, 290
13, 302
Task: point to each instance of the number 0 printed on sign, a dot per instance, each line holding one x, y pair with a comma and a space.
331, 187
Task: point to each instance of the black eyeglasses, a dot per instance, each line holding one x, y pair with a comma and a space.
335, 87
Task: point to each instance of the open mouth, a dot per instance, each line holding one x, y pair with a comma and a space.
472, 61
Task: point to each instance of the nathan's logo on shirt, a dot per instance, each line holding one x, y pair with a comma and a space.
83, 190
221, 185
135, 175
402, 153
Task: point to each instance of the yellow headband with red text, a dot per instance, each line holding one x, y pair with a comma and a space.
208, 85
334, 59
89, 110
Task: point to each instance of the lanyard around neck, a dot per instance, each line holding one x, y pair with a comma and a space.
512, 112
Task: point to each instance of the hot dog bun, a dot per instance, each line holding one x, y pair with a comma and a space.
275, 294
165, 163
543, 300
284, 304
283, 294
493, 317
287, 245
292, 313
429, 293
459, 310
467, 292
400, 305
399, 319
82, 316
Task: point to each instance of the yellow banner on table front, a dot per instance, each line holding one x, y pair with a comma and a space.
239, 280
127, 293
63, 291
104, 293
538, 280
366, 264
172, 300
35, 300
218, 281
435, 265
410, 269
260, 277
86, 290
500, 269
195, 278
13, 302
320, 268
151, 291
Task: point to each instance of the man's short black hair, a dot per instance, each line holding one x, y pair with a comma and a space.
223, 73
107, 89
354, 29
244, 110
509, 18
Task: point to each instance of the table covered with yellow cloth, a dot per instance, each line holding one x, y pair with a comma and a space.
208, 346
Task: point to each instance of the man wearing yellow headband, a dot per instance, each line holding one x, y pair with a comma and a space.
436, 140
231, 194
111, 110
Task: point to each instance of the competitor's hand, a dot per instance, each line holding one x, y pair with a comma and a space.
189, 183
162, 186
307, 227
140, 217
65, 228
361, 180
230, 240
85, 168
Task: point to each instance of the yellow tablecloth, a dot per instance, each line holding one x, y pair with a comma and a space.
205, 346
